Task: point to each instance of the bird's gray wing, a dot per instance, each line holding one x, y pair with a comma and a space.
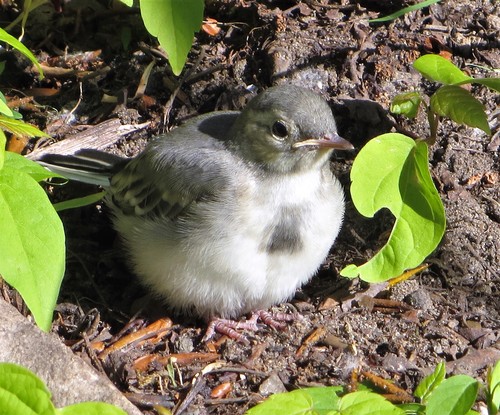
189, 164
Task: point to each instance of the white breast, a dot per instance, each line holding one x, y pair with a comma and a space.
220, 267
318, 228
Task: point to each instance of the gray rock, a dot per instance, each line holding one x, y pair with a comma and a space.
69, 379
272, 385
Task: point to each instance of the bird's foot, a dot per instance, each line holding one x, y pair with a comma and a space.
230, 327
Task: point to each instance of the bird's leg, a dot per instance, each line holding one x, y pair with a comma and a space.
229, 327
275, 320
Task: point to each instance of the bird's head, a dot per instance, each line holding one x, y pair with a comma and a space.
285, 129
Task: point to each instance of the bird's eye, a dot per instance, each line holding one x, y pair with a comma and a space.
279, 129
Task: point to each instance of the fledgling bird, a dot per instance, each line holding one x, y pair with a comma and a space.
231, 212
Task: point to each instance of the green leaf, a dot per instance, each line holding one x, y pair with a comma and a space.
403, 11
454, 396
174, 23
458, 104
492, 83
79, 202
290, 403
31, 243
391, 171
430, 382
91, 408
310, 401
412, 408
493, 393
23, 393
31, 168
3, 141
4, 108
406, 104
324, 398
20, 127
438, 69
128, 3
367, 403
12, 41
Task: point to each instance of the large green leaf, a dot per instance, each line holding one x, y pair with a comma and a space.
438, 69
367, 403
391, 171
458, 104
31, 243
307, 401
454, 396
174, 23
23, 393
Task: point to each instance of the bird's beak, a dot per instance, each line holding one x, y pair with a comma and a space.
329, 141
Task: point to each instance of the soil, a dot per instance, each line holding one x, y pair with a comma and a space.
448, 312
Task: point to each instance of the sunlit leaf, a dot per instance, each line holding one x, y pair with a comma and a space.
3, 141
367, 403
492, 83
318, 401
438, 69
22, 392
174, 23
458, 104
31, 242
430, 382
4, 108
454, 396
19, 127
392, 172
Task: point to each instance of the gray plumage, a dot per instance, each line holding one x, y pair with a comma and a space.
231, 212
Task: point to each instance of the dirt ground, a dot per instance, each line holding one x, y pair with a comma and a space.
449, 312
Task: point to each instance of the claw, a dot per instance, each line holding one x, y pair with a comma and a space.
230, 327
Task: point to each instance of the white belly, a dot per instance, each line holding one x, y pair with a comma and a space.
222, 266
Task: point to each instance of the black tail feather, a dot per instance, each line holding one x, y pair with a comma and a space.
86, 165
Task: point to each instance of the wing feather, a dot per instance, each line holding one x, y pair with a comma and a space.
189, 164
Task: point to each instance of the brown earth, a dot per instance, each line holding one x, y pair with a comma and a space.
449, 312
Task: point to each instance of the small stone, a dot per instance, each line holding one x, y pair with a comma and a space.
420, 299
271, 385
